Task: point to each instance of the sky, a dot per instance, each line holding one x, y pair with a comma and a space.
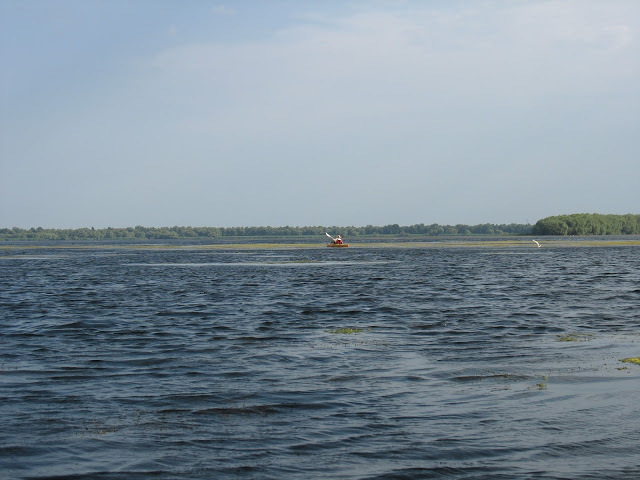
117, 113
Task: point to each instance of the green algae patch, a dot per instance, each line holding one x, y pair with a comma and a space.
345, 331
635, 360
574, 337
542, 385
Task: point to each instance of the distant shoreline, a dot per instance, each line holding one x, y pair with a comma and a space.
563, 225
177, 233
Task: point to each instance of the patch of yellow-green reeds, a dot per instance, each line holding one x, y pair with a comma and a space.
345, 331
574, 337
635, 360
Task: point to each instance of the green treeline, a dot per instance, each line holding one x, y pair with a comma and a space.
588, 224
157, 233
575, 224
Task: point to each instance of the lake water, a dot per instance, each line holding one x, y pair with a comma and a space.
496, 362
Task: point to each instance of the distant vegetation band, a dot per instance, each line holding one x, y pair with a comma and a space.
576, 224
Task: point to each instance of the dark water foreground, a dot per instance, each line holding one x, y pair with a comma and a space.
465, 363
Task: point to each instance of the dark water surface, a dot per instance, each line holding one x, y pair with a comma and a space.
320, 363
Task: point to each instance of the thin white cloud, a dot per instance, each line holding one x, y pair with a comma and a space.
222, 10
620, 36
397, 62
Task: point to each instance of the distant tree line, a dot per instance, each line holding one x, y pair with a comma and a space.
588, 224
139, 232
575, 224
157, 233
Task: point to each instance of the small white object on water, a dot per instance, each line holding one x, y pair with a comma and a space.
537, 243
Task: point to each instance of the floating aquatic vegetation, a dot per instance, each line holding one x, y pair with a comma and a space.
542, 385
345, 331
635, 360
574, 337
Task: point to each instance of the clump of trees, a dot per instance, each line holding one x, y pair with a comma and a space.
156, 233
588, 224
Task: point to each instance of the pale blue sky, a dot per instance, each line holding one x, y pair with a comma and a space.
160, 113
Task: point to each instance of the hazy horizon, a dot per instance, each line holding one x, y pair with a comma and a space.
302, 113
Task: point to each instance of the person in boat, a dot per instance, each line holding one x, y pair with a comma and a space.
338, 240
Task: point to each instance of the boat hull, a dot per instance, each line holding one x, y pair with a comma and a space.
337, 245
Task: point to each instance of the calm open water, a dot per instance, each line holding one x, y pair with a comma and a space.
359, 363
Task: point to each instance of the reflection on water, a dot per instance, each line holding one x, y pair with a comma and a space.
363, 363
